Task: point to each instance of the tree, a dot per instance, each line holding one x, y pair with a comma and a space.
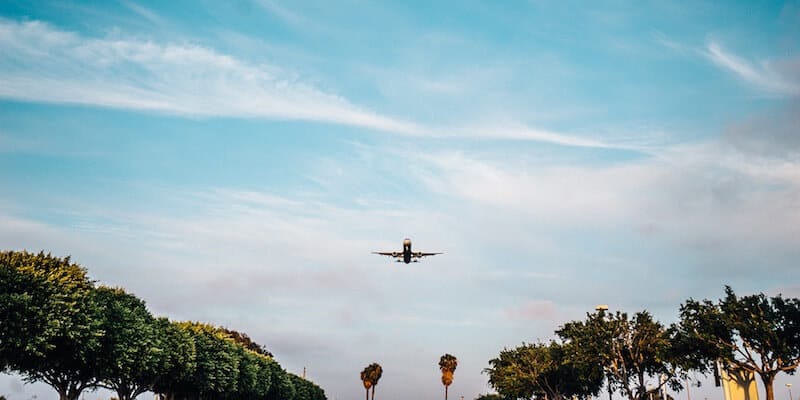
539, 370
49, 331
216, 363
753, 333
306, 390
131, 351
370, 376
448, 364
632, 351
281, 387
490, 396
366, 379
179, 361
375, 375
246, 342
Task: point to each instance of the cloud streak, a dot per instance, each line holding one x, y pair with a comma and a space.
776, 78
44, 64
41, 63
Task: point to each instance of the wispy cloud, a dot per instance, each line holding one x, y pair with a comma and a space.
145, 13
45, 64
283, 13
763, 74
682, 194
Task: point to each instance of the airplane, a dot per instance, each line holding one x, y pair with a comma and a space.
406, 256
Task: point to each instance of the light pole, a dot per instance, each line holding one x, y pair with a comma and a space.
789, 386
601, 310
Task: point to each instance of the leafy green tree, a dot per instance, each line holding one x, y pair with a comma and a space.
537, 370
216, 363
632, 351
264, 377
49, 331
247, 376
282, 387
755, 333
306, 390
447, 364
131, 350
179, 361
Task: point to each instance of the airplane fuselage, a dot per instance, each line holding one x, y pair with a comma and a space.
406, 251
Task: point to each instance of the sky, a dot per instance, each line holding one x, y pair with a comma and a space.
237, 162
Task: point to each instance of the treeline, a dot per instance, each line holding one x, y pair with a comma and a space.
58, 327
637, 356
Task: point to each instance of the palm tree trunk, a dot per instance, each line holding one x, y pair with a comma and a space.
373, 392
367, 393
445, 391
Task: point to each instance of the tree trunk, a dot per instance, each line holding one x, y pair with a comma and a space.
768, 380
445, 392
62, 394
367, 393
373, 392
123, 395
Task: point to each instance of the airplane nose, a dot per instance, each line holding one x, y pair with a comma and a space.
407, 241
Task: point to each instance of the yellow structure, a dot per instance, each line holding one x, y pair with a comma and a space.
739, 384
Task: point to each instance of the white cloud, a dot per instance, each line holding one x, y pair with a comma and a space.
41, 63
692, 194
763, 74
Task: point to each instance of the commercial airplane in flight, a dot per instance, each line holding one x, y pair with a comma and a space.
406, 256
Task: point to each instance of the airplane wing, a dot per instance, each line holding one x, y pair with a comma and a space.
423, 254
387, 253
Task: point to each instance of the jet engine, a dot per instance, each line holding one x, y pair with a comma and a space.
395, 254
419, 254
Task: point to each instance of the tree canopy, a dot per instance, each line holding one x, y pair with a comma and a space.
755, 333
633, 351
447, 364
59, 328
50, 331
538, 370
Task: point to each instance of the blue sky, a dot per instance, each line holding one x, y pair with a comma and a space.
236, 163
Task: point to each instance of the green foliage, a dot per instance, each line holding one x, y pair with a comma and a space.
491, 396
630, 350
58, 328
306, 390
532, 370
132, 351
246, 342
217, 363
50, 331
282, 388
753, 333
179, 361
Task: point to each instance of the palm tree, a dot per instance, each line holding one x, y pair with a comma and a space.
375, 375
367, 380
448, 364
